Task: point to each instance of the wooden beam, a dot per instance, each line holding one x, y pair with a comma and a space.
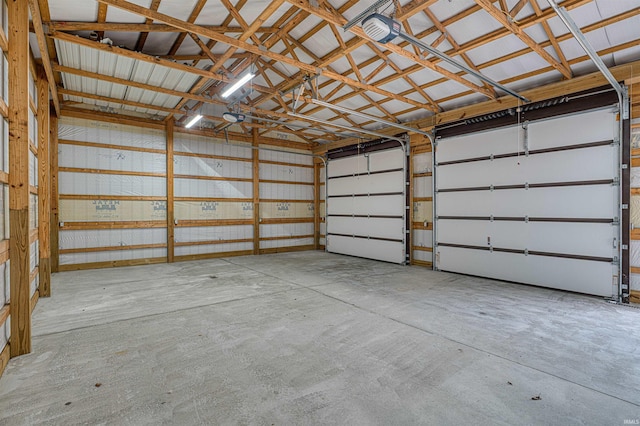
222, 38
499, 16
170, 127
18, 60
55, 195
42, 44
69, 26
255, 157
44, 185
316, 202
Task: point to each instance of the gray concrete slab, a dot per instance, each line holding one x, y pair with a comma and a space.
315, 338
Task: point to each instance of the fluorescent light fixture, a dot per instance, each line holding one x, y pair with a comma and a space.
355, 129
369, 117
238, 84
193, 121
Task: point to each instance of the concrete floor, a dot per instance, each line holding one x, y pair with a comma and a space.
315, 338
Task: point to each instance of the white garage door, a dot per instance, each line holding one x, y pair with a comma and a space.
366, 205
536, 204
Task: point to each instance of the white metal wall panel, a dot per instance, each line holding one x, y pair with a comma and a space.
285, 173
583, 201
564, 166
566, 274
82, 130
198, 166
384, 228
579, 250
367, 206
422, 238
367, 184
387, 251
209, 146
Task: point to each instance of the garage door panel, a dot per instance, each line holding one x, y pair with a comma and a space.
563, 202
376, 162
580, 128
367, 184
367, 227
479, 144
584, 239
387, 251
569, 274
564, 166
376, 205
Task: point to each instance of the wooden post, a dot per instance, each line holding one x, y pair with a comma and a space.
171, 224
316, 203
55, 214
255, 156
44, 185
18, 35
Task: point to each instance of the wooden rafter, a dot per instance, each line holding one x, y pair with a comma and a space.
499, 16
142, 39
186, 26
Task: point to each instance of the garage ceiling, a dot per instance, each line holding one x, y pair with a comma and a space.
161, 58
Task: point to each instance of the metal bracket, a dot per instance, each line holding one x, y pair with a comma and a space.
526, 252
491, 218
525, 127
526, 185
616, 261
491, 188
491, 157
624, 166
526, 219
625, 206
616, 221
625, 247
616, 181
616, 141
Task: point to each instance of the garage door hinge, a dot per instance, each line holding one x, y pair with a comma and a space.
616, 221
616, 181
526, 252
615, 260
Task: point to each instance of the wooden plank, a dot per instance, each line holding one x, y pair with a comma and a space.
55, 195
316, 204
635, 234
33, 275
190, 257
4, 109
213, 178
213, 222
4, 358
214, 199
33, 236
4, 43
33, 190
113, 225
286, 220
5, 311
170, 127
287, 237
286, 182
422, 199
213, 242
110, 118
112, 264
420, 248
635, 269
44, 53
422, 263
109, 172
282, 163
18, 64
212, 156
112, 248
419, 175
4, 251
4, 177
111, 197
110, 146
635, 162
287, 249
274, 200
634, 296
255, 174
421, 226
44, 185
